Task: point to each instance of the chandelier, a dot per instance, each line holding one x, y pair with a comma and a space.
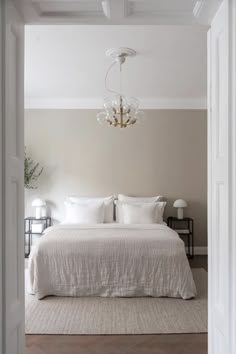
119, 110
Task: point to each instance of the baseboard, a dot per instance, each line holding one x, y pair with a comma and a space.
200, 251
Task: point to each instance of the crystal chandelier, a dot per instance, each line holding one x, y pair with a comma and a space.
119, 111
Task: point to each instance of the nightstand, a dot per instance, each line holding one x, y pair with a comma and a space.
45, 221
184, 227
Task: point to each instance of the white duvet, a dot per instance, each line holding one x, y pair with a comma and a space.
110, 260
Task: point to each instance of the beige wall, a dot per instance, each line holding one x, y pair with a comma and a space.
166, 155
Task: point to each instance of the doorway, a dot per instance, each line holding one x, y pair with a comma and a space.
221, 343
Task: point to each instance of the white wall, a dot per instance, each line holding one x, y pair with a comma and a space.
166, 155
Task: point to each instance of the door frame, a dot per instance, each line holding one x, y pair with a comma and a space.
232, 180
12, 179
1, 169
232, 172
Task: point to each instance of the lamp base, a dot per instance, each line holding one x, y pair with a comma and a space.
180, 213
38, 213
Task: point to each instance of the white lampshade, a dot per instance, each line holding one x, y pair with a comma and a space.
180, 203
38, 202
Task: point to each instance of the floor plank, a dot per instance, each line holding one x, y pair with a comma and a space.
122, 344
150, 344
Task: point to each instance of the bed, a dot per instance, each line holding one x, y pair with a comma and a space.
110, 260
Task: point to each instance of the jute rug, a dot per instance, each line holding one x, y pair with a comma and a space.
95, 315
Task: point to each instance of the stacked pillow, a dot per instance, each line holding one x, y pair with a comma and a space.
139, 210
129, 210
126, 198
89, 210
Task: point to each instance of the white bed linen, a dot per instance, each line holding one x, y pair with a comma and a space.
110, 260
84, 213
140, 213
108, 205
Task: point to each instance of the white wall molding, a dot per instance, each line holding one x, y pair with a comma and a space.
96, 103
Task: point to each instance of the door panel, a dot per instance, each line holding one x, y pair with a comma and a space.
13, 182
218, 182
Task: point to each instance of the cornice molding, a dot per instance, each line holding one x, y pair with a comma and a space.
198, 103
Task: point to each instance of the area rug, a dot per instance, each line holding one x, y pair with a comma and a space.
103, 316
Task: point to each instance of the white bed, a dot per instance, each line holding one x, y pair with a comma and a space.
110, 260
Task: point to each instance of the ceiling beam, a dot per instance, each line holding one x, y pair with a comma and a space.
115, 9
205, 10
106, 12
26, 8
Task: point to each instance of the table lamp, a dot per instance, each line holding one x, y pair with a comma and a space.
38, 203
180, 204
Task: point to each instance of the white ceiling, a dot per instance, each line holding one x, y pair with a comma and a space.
65, 65
119, 11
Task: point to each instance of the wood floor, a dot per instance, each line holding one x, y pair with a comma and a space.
122, 344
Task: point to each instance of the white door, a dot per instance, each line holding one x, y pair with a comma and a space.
13, 175
219, 236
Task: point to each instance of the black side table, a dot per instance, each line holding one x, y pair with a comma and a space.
184, 227
46, 221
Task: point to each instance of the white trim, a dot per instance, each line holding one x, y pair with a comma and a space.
232, 113
96, 103
12, 260
221, 330
2, 52
209, 173
198, 8
205, 10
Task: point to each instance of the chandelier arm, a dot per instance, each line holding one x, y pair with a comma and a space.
107, 73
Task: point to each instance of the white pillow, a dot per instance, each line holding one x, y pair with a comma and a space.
125, 198
160, 212
90, 213
140, 213
108, 205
